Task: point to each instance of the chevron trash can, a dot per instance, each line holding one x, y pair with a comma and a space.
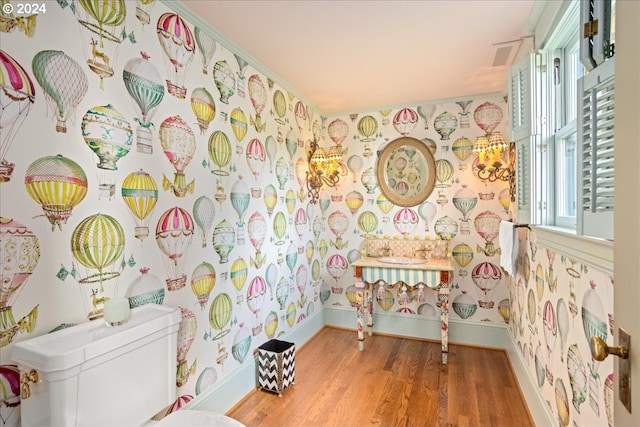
276, 365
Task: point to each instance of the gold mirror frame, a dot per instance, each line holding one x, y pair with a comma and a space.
414, 175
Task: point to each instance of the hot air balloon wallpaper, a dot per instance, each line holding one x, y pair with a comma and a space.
143, 11
179, 47
204, 107
338, 224
220, 313
108, 134
224, 240
174, 232
405, 120
445, 124
486, 277
241, 343
63, 82
224, 80
257, 230
258, 97
203, 279
279, 108
255, 155
462, 149
270, 198
58, 184
487, 116
97, 243
238, 275
19, 252
427, 212
103, 25
487, 225
240, 199
140, 194
204, 214
405, 221
220, 152
426, 112
207, 48
16, 99
179, 145
465, 200
256, 294
186, 335
239, 126
144, 84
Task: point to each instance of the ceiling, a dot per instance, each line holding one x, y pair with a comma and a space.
346, 56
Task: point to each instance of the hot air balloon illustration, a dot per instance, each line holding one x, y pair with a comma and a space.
241, 344
367, 222
291, 258
562, 403
144, 84
338, 130
145, 289
186, 335
219, 152
290, 203
369, 180
445, 124
367, 127
240, 201
464, 114
336, 266
426, 112
301, 176
384, 205
355, 164
106, 22
487, 116
562, 314
224, 239
462, 254
63, 82
487, 225
594, 319
427, 212
203, 280
323, 247
257, 229
405, 221
203, 214
242, 65
282, 292
270, 198
16, 98
256, 294
140, 194
179, 145
206, 46
238, 275
220, 315
354, 201
270, 149
279, 106
486, 276
179, 47
577, 376
19, 252
405, 121
58, 184
206, 379
290, 143
174, 233
446, 228
309, 250
271, 324
550, 326
462, 149
97, 243
300, 115
224, 80
282, 172
464, 306
108, 134
444, 172
271, 276
238, 126
465, 200
279, 227
258, 97
300, 222
143, 10
203, 107
256, 156
338, 224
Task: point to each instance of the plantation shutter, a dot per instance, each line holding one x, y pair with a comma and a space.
522, 96
596, 150
595, 40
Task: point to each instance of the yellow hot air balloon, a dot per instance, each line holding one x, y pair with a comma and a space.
291, 315
203, 280
290, 201
203, 107
219, 152
271, 323
367, 127
444, 172
462, 254
140, 194
58, 184
238, 126
279, 106
270, 197
354, 201
238, 274
220, 315
279, 227
462, 149
367, 222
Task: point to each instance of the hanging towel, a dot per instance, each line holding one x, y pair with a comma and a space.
508, 239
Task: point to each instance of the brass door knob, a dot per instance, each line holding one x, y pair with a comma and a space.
600, 350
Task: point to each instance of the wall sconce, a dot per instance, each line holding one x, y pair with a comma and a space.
324, 169
495, 161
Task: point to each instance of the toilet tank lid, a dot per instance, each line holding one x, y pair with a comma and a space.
73, 346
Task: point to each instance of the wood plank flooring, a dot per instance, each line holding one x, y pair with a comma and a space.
394, 382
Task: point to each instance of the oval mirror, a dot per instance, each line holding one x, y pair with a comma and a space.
406, 171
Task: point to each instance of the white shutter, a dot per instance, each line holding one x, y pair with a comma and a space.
595, 32
522, 97
596, 151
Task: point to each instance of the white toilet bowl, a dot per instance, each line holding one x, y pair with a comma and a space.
194, 418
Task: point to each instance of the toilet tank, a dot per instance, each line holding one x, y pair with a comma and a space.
98, 375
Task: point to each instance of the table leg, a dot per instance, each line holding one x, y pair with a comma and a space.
360, 302
369, 294
443, 296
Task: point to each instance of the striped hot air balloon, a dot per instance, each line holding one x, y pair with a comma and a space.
405, 121
224, 80
354, 201
206, 47
174, 232
140, 194
279, 106
367, 127
270, 198
336, 266
238, 275
203, 279
108, 134
462, 149
204, 214
58, 184
338, 130
224, 240
220, 314
405, 221
203, 107
271, 324
16, 98
179, 46
256, 156
487, 116
257, 230
367, 222
256, 294
219, 152
300, 114
63, 82
179, 145
444, 172
279, 227
238, 122
240, 198
271, 276
241, 344
258, 97
486, 277
463, 255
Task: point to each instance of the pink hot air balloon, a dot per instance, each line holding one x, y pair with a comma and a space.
258, 96
486, 276
257, 229
174, 233
487, 116
405, 221
300, 112
487, 224
179, 47
338, 224
405, 121
256, 294
336, 266
338, 130
179, 145
256, 156
300, 220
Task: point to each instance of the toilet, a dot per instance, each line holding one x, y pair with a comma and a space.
93, 374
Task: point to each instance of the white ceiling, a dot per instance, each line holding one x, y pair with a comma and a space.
345, 56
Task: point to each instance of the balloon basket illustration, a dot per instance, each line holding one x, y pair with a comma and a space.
179, 145
99, 62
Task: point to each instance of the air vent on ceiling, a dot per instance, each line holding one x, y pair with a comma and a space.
503, 54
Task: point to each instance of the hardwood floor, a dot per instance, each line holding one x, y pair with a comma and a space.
394, 382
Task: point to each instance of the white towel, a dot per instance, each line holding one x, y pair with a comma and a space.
508, 239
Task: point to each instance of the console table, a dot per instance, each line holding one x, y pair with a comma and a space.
433, 273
